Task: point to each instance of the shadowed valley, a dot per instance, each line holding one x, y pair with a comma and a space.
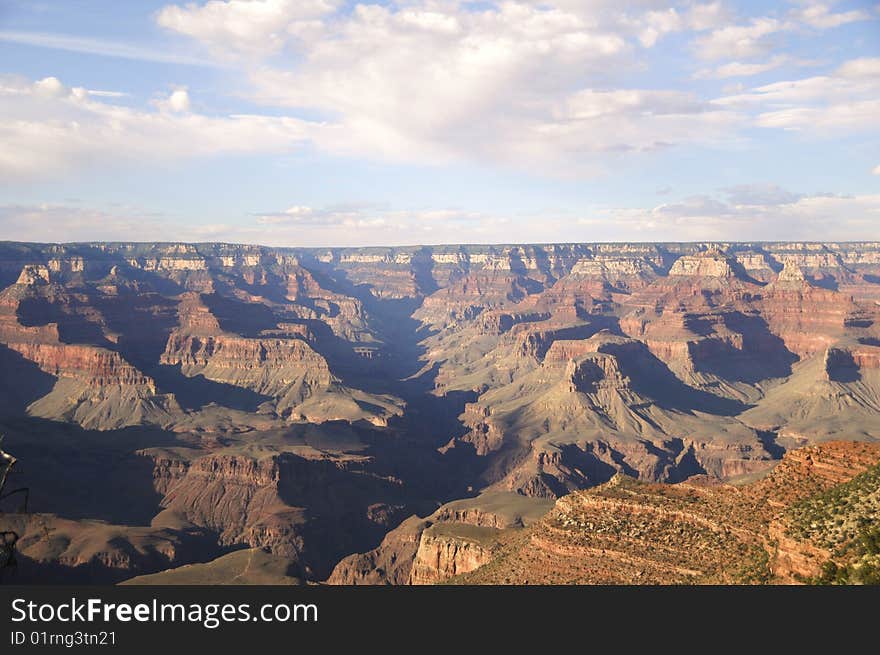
491, 414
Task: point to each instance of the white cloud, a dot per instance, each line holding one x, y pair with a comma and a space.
876, 170
742, 41
46, 127
744, 69
657, 23
751, 195
177, 101
740, 213
821, 17
525, 83
707, 16
850, 116
59, 223
409, 83
510, 84
352, 225
633, 120
49, 86
359, 216
862, 68
529, 84
245, 26
846, 99
98, 93
748, 216
762, 35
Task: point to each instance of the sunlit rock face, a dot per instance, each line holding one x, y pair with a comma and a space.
234, 385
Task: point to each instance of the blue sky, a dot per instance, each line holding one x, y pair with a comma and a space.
323, 122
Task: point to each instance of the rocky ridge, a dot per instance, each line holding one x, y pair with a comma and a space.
249, 377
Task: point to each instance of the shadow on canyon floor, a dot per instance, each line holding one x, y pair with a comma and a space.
77, 473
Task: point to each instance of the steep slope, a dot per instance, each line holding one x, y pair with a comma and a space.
832, 396
281, 367
833, 537
221, 390
641, 533
701, 322
459, 537
580, 417
96, 387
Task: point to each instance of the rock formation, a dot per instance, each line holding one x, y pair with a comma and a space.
234, 385
626, 532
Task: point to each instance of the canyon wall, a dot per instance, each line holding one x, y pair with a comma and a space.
307, 403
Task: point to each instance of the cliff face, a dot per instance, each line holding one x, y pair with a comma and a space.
806, 318
238, 498
570, 419
401, 378
457, 538
712, 263
95, 385
96, 367
267, 366
442, 555
695, 532
278, 503
388, 564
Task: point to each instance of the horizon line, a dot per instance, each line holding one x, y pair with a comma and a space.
729, 242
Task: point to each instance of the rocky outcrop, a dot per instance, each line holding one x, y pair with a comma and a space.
238, 360
279, 365
712, 263
791, 272
832, 526
601, 405
388, 564
845, 362
496, 323
807, 318
447, 550
267, 375
33, 274
456, 537
794, 561
239, 499
485, 435
697, 532
279, 502
95, 367
96, 387
759, 265
562, 351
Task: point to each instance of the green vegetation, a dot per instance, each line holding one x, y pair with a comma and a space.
841, 515
846, 521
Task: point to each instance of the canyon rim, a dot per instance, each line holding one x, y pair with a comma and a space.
215, 413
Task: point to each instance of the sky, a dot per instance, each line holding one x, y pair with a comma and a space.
337, 123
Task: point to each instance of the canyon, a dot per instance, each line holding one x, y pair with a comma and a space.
414, 415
